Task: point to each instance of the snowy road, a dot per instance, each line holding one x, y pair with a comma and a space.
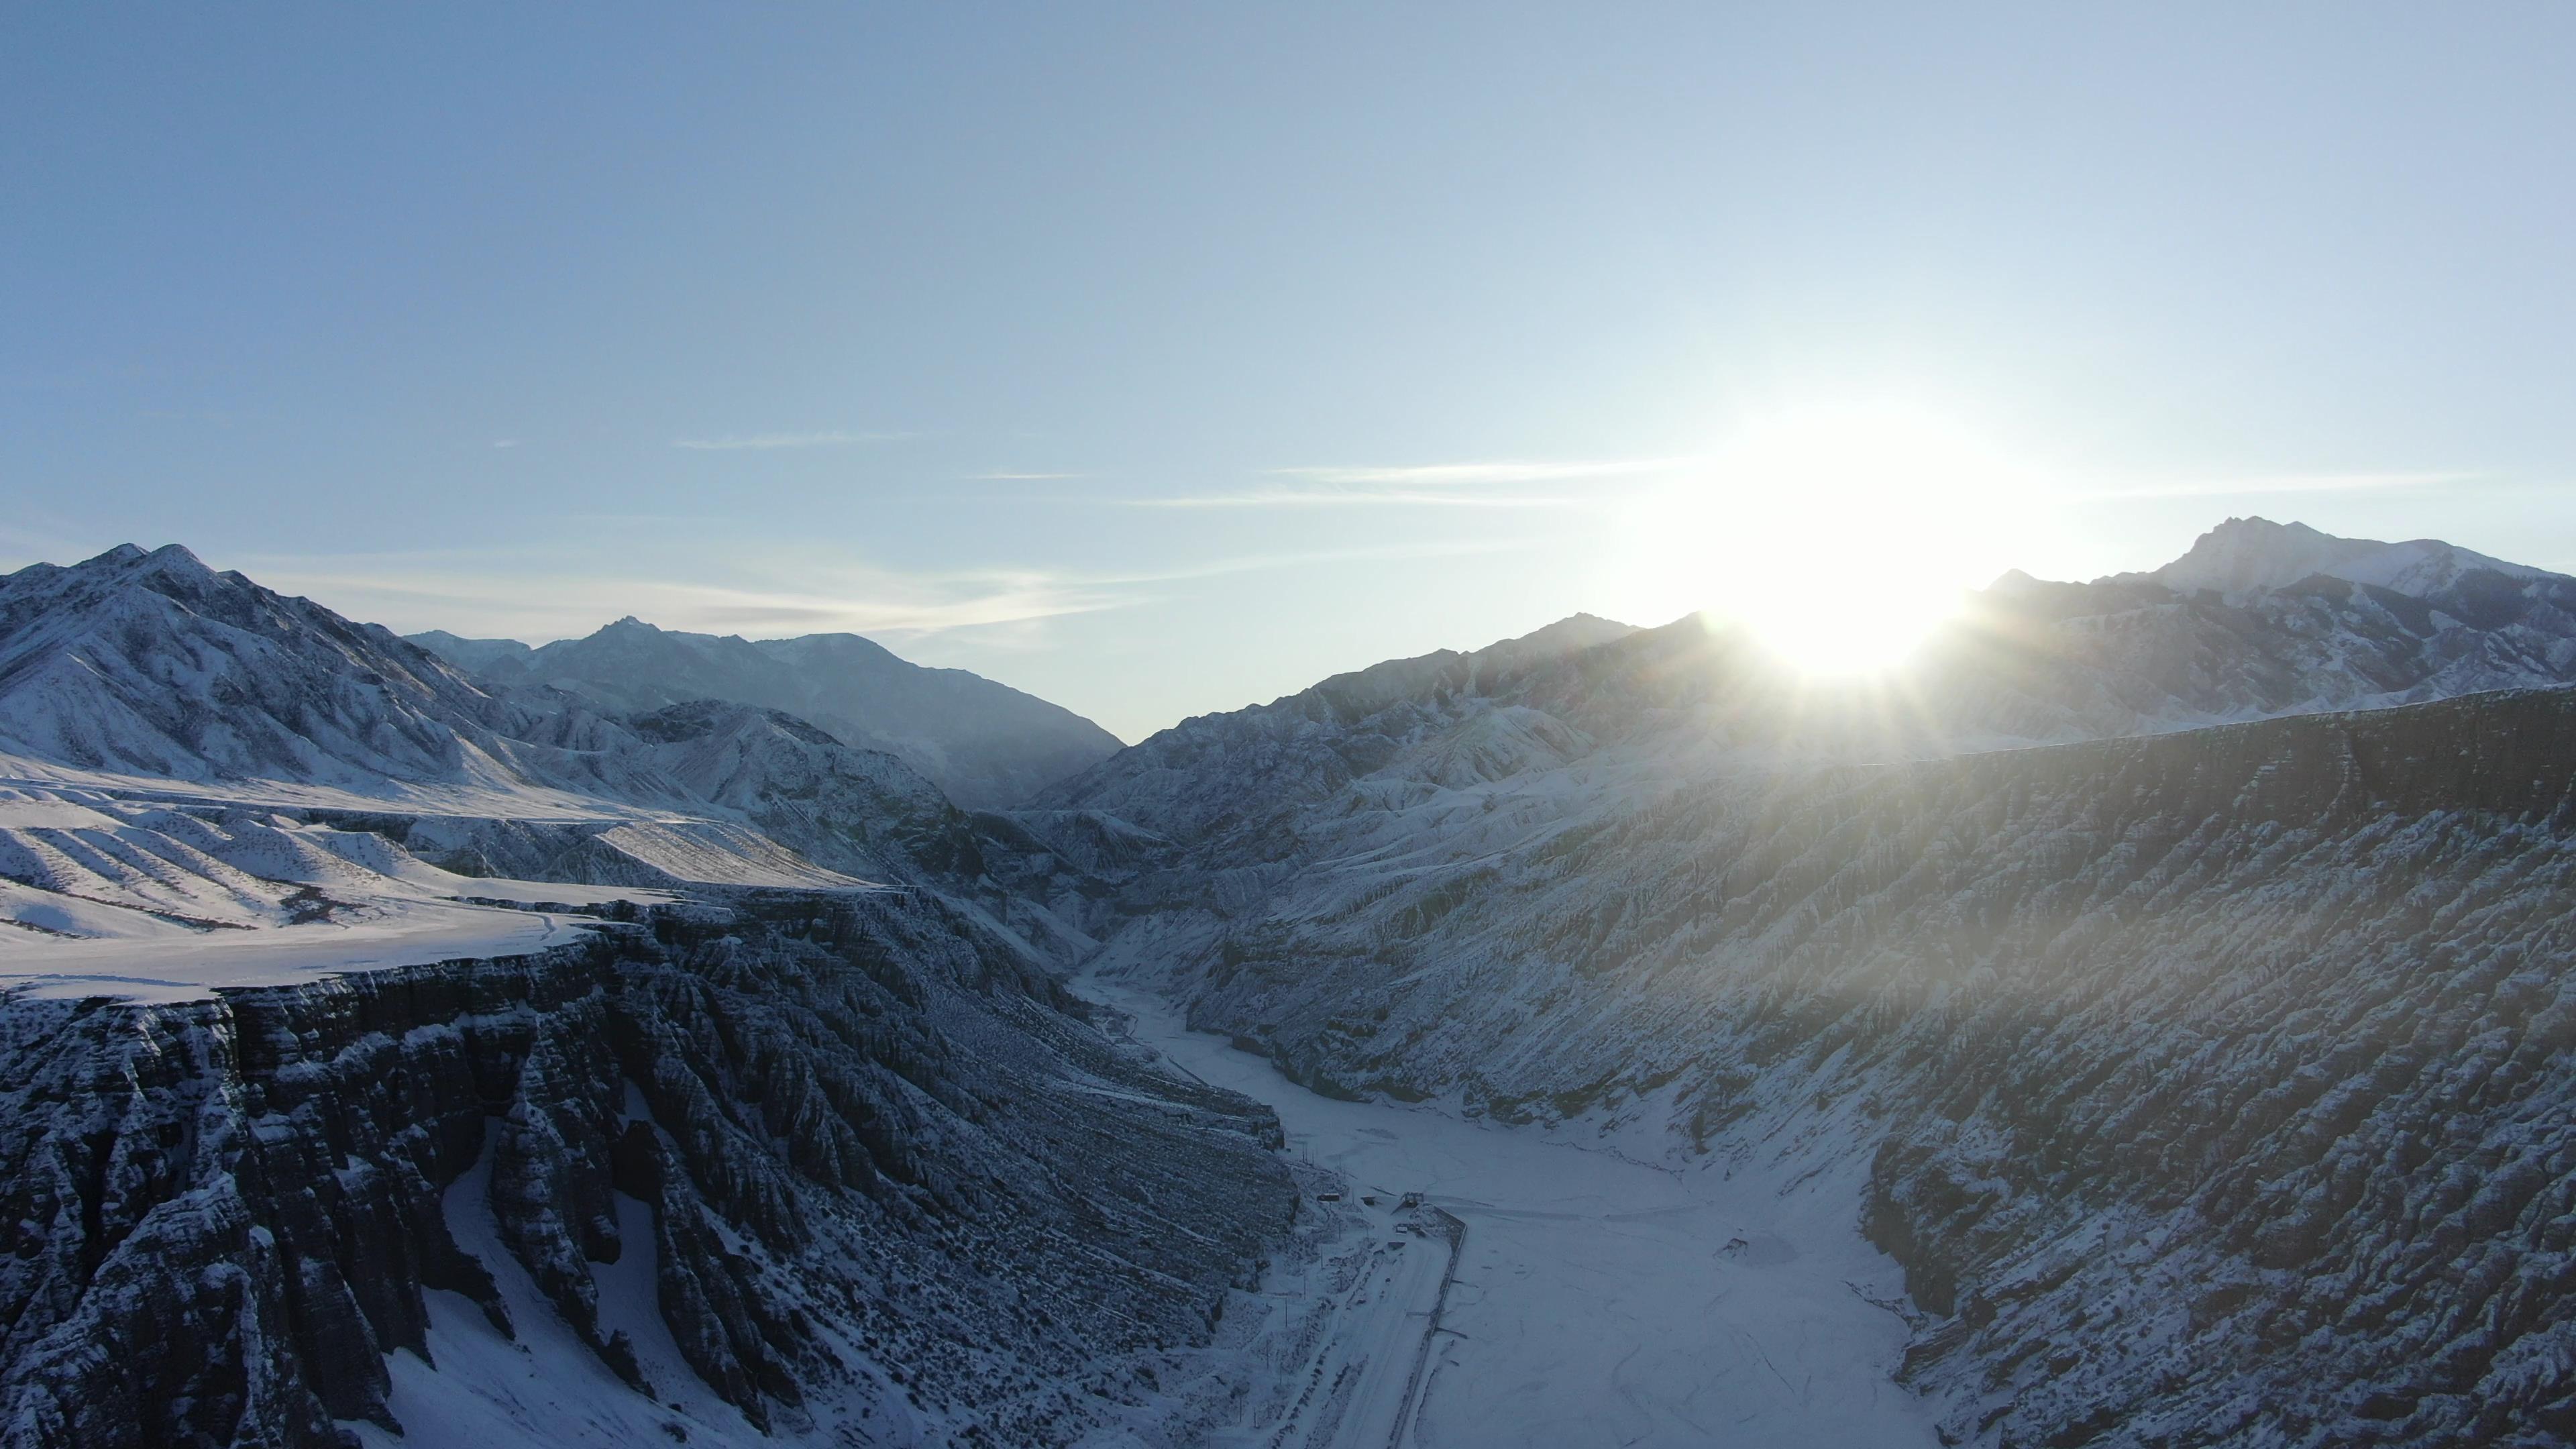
1599, 1301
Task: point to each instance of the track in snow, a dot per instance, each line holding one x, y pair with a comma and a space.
1599, 1301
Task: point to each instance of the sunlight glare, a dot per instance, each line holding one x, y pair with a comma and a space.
1839, 536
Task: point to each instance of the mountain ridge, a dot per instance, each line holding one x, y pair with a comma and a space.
986, 744
2027, 662
2215, 1052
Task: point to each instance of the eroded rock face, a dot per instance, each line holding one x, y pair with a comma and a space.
852, 1109
2216, 1088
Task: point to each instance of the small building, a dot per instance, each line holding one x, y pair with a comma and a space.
1369, 1199
1410, 1200
1328, 1197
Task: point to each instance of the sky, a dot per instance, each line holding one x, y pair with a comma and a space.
1160, 360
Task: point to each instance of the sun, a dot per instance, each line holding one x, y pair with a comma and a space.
1840, 535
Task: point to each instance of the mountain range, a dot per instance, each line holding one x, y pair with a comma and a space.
2170, 975
987, 745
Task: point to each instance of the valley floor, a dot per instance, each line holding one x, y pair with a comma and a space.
1597, 1300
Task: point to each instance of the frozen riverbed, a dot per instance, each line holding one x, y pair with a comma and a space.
1598, 1300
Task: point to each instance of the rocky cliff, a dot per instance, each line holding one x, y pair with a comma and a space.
889, 1186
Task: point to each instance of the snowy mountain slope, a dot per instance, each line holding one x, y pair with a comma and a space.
2205, 1082
801, 1169
471, 655
2257, 620
154, 664
147, 901
151, 676
2163, 1052
2026, 663
2213, 1085
987, 745
2245, 556
1222, 772
323, 1123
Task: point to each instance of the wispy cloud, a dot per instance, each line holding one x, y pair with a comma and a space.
534, 593
763, 441
2221, 485
1308, 558
1470, 475
505, 442
1351, 498
1020, 477
1490, 484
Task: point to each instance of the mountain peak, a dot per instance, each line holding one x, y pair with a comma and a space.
2246, 556
1574, 631
168, 558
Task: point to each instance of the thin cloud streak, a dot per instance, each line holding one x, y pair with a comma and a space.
485, 597
1256, 563
756, 442
1349, 498
1468, 475
2283, 483
569, 606
1491, 484
1020, 477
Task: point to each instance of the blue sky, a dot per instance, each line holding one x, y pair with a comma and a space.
1161, 360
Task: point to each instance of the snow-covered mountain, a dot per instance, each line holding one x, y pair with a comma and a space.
138, 670
2245, 556
2170, 974
2212, 1087
988, 745
492, 1067
2207, 1078
154, 664
2026, 663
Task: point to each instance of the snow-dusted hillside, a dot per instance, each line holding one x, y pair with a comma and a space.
2212, 1087
2245, 556
2207, 1079
987, 745
2169, 974
148, 676
2027, 663
388, 1055
801, 1169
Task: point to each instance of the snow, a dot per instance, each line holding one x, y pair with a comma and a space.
547, 1387
135, 899
2245, 556
1599, 1299
189, 965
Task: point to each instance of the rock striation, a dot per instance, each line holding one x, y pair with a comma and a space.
896, 1186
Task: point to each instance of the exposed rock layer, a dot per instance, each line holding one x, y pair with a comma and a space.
854, 1110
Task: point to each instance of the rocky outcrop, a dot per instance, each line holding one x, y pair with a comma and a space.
842, 1111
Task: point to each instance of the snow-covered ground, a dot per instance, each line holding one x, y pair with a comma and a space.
101, 896
189, 967
545, 1386
1598, 1300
